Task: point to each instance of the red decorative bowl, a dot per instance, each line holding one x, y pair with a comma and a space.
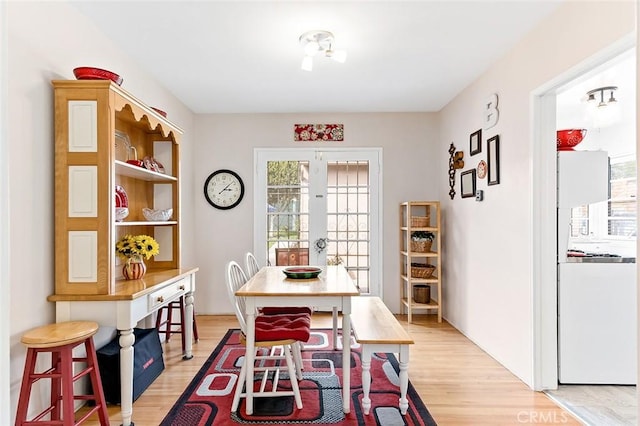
91, 73
567, 139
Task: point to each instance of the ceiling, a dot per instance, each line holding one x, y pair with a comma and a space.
244, 57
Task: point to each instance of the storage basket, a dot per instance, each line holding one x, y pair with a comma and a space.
422, 270
420, 221
421, 246
421, 293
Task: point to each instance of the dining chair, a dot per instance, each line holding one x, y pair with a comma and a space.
251, 264
278, 333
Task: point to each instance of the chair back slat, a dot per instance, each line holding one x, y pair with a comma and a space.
251, 264
235, 279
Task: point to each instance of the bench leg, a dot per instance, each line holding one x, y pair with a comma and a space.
366, 378
404, 378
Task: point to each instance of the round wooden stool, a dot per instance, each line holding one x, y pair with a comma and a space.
59, 340
170, 324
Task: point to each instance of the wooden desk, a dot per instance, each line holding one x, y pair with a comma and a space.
270, 287
133, 301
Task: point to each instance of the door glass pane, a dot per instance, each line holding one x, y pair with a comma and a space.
348, 231
287, 212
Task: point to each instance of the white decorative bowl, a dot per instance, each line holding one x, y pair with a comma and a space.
121, 213
157, 215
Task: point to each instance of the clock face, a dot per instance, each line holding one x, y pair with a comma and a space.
224, 189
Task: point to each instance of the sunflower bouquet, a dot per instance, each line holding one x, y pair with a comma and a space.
136, 247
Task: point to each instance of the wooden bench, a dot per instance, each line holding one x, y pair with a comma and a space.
378, 330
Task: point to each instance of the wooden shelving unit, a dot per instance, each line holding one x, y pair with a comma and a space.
420, 216
89, 115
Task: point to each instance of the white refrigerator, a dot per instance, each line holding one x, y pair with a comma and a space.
596, 301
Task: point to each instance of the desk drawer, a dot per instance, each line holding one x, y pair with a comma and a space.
166, 294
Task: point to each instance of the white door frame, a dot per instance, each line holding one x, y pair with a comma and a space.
376, 244
544, 223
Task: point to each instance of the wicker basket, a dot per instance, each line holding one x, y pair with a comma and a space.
420, 221
422, 293
422, 270
421, 246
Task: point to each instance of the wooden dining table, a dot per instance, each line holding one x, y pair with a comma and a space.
270, 287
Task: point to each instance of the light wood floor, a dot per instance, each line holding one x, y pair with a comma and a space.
459, 383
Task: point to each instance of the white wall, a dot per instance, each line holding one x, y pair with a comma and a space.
411, 172
488, 245
46, 41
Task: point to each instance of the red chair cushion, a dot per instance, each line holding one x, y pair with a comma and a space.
283, 327
286, 310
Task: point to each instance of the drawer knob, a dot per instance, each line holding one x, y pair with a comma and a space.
160, 299
181, 287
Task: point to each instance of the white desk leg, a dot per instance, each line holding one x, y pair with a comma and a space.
346, 354
249, 356
188, 321
366, 378
126, 340
404, 378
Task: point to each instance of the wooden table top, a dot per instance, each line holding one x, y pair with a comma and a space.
271, 281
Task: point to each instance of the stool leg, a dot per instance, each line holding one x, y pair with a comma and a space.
25, 388
66, 369
195, 329
56, 386
96, 382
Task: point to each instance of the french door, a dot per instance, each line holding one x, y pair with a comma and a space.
320, 207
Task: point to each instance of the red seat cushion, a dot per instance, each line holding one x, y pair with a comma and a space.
286, 310
283, 327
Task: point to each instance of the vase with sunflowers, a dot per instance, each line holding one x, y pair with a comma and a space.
134, 249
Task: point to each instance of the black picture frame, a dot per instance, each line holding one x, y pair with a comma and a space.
493, 160
475, 142
468, 183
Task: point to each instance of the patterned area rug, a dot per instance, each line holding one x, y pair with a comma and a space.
207, 400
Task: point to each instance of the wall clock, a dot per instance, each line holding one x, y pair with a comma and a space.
224, 189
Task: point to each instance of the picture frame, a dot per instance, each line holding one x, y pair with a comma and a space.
475, 142
468, 183
493, 160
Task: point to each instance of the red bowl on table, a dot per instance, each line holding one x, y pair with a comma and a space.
567, 139
92, 73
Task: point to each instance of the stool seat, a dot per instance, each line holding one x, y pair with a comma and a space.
59, 334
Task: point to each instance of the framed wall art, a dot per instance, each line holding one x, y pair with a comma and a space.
475, 142
468, 183
493, 160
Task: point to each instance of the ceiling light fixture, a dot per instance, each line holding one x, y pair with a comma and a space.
319, 41
591, 95
605, 110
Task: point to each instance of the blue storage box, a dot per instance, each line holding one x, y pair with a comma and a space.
147, 364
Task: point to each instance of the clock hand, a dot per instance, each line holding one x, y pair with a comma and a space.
224, 189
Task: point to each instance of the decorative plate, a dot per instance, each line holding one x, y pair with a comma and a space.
302, 272
121, 197
482, 169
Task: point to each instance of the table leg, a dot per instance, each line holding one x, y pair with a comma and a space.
404, 378
127, 339
346, 354
249, 356
188, 321
366, 378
